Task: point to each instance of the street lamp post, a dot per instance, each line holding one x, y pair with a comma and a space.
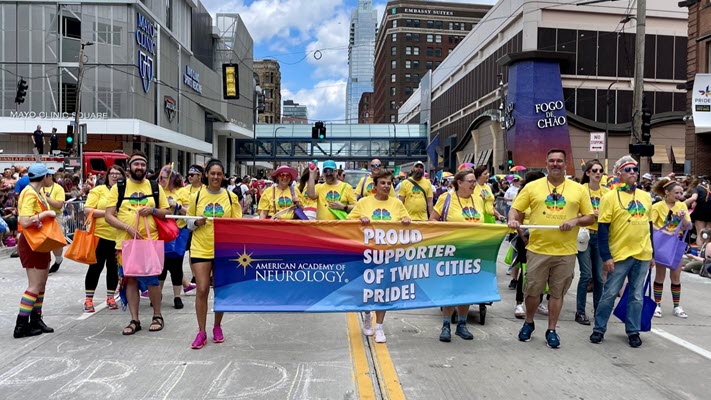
79, 134
274, 149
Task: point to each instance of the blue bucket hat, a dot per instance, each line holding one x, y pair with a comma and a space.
38, 170
329, 164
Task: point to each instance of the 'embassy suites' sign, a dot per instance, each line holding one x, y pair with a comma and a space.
425, 11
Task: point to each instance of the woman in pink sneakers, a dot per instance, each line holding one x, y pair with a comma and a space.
212, 201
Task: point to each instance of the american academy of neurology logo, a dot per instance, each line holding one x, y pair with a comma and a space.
245, 260
705, 92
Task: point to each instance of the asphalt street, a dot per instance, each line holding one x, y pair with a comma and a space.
324, 356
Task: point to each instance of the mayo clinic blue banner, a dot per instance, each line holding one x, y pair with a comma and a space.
335, 266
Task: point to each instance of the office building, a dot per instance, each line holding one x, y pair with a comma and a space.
294, 113
270, 83
364, 25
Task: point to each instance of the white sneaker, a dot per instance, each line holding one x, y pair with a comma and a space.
519, 312
658, 312
367, 325
379, 335
542, 309
679, 312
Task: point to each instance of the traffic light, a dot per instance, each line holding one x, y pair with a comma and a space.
21, 91
646, 126
509, 162
70, 137
318, 131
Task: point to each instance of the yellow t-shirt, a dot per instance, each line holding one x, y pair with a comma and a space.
181, 196
306, 201
629, 216
415, 199
461, 209
192, 190
595, 196
217, 205
553, 205
391, 209
29, 202
98, 199
284, 200
136, 197
660, 215
341, 191
369, 189
484, 191
54, 192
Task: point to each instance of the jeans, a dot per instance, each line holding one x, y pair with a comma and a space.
590, 268
636, 273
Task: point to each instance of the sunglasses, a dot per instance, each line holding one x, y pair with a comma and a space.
193, 174
630, 169
595, 170
327, 171
284, 176
376, 165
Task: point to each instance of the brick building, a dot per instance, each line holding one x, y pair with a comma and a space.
365, 109
270, 83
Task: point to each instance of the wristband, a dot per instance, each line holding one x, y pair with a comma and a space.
177, 207
154, 211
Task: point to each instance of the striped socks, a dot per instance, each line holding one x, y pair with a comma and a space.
89, 293
27, 303
658, 289
676, 293
110, 293
37, 308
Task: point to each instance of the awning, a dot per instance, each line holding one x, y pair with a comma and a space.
485, 157
679, 154
660, 155
467, 158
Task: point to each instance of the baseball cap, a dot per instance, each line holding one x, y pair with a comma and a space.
38, 170
329, 164
419, 163
583, 239
648, 176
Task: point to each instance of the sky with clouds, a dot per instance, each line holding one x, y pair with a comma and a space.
290, 31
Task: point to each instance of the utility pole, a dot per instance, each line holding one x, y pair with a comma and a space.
639, 68
80, 145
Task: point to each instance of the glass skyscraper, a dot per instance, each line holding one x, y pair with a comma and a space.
360, 57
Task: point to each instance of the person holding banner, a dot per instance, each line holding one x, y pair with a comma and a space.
278, 201
625, 240
177, 195
97, 202
380, 207
131, 201
459, 206
366, 185
214, 201
668, 214
564, 205
589, 259
335, 199
32, 210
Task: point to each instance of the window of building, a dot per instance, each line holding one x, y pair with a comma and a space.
438, 52
430, 38
393, 51
416, 78
394, 37
430, 24
449, 50
393, 78
416, 51
408, 64
393, 64
416, 23
408, 22
407, 77
461, 27
392, 104
430, 51
438, 38
394, 23
451, 26
415, 37
429, 65
408, 90
408, 37
393, 90
392, 118
437, 63
415, 64
71, 27
439, 24
169, 14
408, 50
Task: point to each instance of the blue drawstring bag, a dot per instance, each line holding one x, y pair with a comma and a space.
177, 247
648, 306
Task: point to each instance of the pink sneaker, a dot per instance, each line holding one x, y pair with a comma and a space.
217, 335
144, 294
200, 340
189, 288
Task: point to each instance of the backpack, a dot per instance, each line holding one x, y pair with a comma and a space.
197, 198
121, 187
238, 191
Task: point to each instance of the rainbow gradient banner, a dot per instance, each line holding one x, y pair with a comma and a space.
335, 266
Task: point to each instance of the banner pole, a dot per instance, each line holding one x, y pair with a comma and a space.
187, 217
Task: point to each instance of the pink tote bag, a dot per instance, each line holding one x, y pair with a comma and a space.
142, 257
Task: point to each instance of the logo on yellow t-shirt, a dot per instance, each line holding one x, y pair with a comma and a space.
370, 188
555, 202
673, 220
381, 214
595, 202
137, 200
213, 210
471, 214
636, 209
284, 202
332, 195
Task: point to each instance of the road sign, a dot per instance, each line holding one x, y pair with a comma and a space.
597, 142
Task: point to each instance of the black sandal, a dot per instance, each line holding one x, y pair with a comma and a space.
133, 327
157, 320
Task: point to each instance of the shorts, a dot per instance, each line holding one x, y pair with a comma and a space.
30, 258
194, 260
556, 271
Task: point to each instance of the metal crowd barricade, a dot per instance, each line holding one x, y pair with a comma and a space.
74, 218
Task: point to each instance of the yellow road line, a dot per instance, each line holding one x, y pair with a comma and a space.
390, 387
360, 361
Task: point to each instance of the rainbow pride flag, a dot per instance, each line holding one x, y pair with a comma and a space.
336, 266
